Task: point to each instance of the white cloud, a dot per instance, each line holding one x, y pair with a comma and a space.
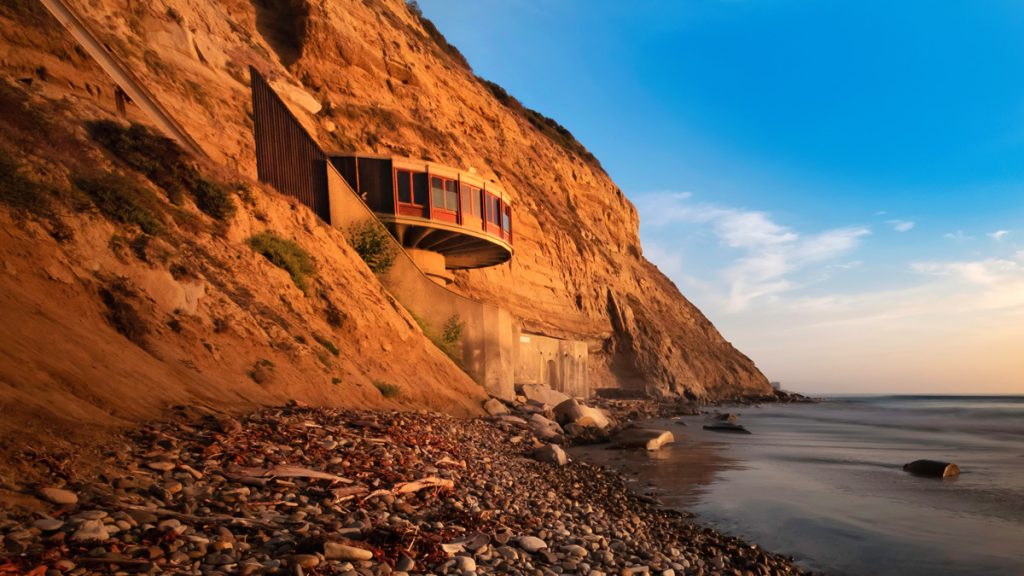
998, 235
959, 236
901, 225
770, 252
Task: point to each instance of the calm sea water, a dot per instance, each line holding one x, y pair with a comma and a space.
824, 482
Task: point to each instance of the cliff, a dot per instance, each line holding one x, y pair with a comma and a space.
372, 77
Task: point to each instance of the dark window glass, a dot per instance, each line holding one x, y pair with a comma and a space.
437, 192
451, 196
476, 202
404, 186
496, 212
419, 189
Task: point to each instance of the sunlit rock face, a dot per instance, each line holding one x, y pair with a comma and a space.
369, 77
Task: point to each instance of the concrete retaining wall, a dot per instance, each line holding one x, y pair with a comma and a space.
487, 342
552, 362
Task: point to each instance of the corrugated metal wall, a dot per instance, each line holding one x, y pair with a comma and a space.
287, 157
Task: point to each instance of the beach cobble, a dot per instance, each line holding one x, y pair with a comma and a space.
296, 490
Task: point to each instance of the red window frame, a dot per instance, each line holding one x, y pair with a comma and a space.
445, 182
412, 188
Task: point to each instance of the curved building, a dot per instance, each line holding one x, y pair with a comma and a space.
445, 218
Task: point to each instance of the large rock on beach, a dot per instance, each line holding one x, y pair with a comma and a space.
644, 438
544, 428
552, 453
572, 412
495, 407
726, 426
544, 395
932, 468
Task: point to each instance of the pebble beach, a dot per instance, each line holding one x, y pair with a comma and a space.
299, 490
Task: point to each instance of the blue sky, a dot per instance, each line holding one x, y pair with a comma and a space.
838, 185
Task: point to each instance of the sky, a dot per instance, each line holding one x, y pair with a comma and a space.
838, 185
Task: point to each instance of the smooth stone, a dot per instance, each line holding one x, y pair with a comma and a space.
552, 453
932, 468
405, 564
48, 524
465, 563
495, 407
58, 496
91, 530
143, 516
161, 465
304, 560
724, 426
531, 543
544, 395
644, 438
339, 551
572, 412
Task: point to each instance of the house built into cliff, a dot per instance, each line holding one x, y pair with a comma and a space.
446, 219
440, 219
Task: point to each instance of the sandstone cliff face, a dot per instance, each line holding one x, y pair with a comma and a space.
369, 77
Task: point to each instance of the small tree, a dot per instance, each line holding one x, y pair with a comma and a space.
373, 244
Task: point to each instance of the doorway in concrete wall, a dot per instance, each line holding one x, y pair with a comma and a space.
553, 376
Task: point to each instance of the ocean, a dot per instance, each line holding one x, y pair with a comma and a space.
824, 482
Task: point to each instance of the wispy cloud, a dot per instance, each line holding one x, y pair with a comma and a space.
958, 236
769, 253
998, 235
901, 225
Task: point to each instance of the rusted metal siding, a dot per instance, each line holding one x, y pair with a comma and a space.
287, 157
375, 179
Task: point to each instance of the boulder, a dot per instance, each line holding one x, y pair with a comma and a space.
644, 438
572, 412
511, 419
544, 428
58, 496
725, 426
552, 453
544, 395
932, 468
495, 407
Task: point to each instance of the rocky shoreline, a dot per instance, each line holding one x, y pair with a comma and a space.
299, 490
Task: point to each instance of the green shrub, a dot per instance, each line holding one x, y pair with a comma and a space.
327, 344
387, 390
452, 334
165, 163
122, 315
286, 255
122, 200
213, 199
373, 244
19, 192
448, 341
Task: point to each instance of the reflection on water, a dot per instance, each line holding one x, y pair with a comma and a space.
825, 483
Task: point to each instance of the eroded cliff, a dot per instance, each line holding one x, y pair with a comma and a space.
375, 77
